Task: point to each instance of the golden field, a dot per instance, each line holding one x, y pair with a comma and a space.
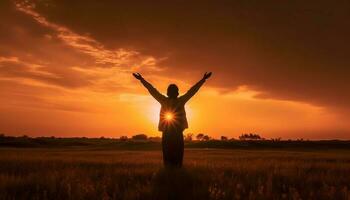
85, 173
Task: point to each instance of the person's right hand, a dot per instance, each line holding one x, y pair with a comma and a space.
207, 75
137, 76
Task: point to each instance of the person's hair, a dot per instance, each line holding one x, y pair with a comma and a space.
173, 91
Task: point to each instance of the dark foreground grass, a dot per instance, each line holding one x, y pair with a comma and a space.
80, 173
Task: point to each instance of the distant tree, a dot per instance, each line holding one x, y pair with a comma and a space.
139, 137
2, 135
200, 136
188, 137
206, 138
123, 138
102, 137
224, 138
276, 139
250, 136
243, 136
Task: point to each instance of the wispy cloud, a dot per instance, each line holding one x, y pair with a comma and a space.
14, 63
120, 57
32, 74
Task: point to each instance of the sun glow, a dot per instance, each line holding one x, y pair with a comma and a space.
169, 116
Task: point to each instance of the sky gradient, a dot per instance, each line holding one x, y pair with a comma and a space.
280, 69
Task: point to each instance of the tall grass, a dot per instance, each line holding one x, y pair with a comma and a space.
207, 174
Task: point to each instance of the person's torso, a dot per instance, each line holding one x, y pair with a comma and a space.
172, 115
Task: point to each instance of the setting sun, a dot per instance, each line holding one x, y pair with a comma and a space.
169, 116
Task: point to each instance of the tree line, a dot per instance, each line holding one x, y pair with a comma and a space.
198, 137
187, 137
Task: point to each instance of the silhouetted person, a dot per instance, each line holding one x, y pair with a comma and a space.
172, 119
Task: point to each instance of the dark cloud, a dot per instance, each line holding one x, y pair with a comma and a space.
293, 50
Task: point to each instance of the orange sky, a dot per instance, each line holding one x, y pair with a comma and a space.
60, 78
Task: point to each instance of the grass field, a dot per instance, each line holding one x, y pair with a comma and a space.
83, 173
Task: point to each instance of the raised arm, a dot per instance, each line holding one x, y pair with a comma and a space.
153, 91
194, 89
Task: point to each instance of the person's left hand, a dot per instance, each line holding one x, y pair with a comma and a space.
207, 75
137, 76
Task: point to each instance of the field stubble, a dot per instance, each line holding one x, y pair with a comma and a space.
78, 173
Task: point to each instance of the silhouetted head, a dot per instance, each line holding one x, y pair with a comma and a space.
173, 91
